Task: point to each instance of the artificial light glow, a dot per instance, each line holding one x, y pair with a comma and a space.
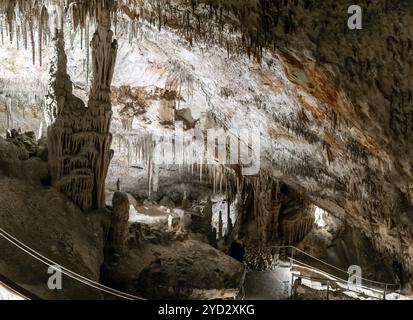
319, 217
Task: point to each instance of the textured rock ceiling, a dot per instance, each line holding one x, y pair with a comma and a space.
334, 106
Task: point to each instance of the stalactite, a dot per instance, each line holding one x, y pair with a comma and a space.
18, 37
25, 34
87, 50
40, 34
10, 25
32, 40
2, 31
130, 32
296, 227
194, 25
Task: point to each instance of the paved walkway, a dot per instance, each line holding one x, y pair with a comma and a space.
267, 285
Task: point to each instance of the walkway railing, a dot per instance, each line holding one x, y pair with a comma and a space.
332, 287
301, 259
297, 258
16, 290
71, 274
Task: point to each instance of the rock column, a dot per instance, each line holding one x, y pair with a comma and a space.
79, 137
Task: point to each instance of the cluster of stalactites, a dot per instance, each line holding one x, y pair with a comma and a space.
260, 199
19, 97
27, 23
140, 151
196, 21
41, 12
294, 230
33, 24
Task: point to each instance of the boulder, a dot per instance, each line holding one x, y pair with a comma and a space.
186, 269
166, 202
26, 142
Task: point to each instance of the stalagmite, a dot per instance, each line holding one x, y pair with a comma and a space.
9, 115
229, 220
170, 219
79, 138
120, 222
220, 225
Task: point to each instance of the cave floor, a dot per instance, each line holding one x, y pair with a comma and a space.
268, 285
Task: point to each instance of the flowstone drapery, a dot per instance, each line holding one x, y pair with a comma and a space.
79, 138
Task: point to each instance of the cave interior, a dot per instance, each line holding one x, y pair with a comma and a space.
142, 140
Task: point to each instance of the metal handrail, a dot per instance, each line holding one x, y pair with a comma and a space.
332, 266
334, 278
328, 285
16, 289
50, 263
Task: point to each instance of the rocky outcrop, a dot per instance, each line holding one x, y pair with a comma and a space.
202, 224
180, 270
41, 217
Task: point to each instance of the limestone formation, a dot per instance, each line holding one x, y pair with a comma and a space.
296, 226
261, 203
26, 142
79, 137
120, 223
202, 224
